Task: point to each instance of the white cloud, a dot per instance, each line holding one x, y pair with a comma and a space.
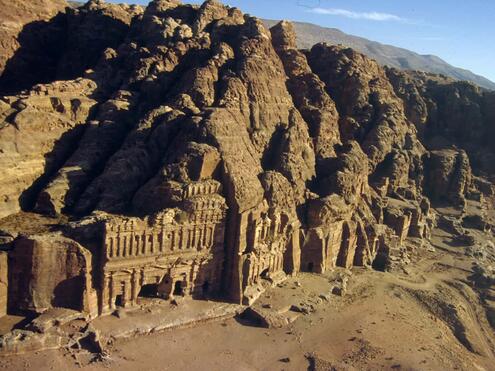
432, 38
371, 16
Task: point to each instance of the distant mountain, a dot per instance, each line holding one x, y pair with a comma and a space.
309, 34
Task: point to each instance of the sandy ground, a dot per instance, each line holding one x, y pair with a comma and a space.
429, 316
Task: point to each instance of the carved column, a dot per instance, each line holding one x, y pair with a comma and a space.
134, 287
111, 291
119, 245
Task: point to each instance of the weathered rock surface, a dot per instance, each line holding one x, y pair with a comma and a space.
199, 154
51, 318
448, 176
29, 25
23, 341
50, 271
39, 130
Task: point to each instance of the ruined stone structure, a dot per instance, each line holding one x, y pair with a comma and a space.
178, 253
268, 240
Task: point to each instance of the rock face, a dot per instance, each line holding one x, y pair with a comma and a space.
448, 176
38, 132
30, 33
50, 271
387, 55
199, 154
449, 114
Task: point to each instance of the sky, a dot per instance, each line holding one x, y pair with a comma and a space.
462, 32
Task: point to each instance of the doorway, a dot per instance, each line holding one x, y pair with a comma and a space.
178, 289
149, 291
205, 288
311, 267
119, 301
264, 274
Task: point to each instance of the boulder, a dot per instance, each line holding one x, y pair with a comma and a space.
266, 318
53, 317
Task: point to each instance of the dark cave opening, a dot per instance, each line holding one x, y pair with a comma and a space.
178, 290
149, 291
380, 262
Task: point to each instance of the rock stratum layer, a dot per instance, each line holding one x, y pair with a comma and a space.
189, 151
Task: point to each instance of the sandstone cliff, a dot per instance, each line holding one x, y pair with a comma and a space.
193, 139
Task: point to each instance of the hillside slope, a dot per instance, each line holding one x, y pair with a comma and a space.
309, 34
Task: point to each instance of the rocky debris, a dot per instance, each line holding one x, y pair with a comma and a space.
484, 186
266, 318
483, 275
465, 239
53, 317
55, 329
476, 221
482, 251
88, 339
119, 313
340, 285
398, 259
304, 308
317, 363
23, 341
325, 296
159, 318
451, 224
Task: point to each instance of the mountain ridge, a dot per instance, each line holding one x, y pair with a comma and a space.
401, 58
309, 34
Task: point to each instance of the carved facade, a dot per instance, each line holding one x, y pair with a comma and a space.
267, 248
179, 253
185, 252
264, 255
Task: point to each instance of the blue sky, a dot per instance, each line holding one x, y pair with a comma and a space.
460, 32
